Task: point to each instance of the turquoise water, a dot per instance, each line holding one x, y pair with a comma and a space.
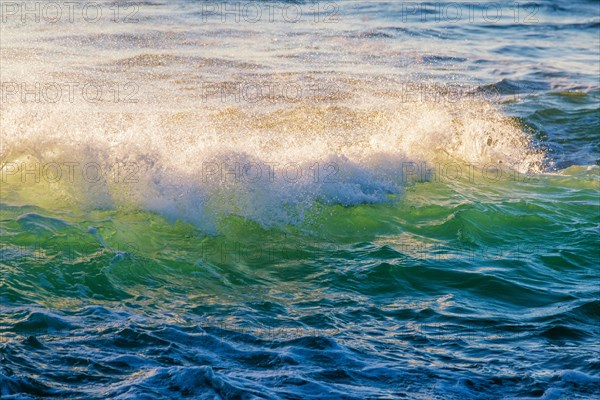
362, 200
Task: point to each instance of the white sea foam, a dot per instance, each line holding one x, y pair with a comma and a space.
200, 165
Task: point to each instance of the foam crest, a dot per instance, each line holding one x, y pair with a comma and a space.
270, 167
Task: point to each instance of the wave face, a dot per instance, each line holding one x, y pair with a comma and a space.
271, 168
356, 200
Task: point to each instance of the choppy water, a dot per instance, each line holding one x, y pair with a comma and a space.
357, 199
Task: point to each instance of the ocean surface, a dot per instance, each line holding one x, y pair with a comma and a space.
300, 200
